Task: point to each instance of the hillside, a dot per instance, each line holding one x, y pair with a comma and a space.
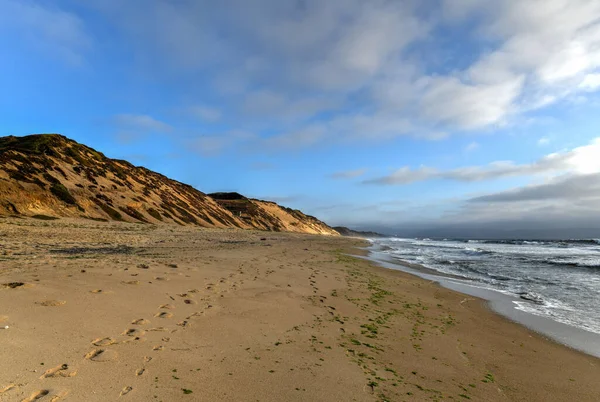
51, 175
268, 215
344, 231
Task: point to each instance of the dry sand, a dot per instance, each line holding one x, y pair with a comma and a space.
101, 312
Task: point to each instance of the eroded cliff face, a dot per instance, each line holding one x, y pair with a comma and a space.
51, 175
268, 215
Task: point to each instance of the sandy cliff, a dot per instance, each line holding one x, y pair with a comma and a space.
51, 175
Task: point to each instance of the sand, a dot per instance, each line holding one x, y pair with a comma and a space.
115, 311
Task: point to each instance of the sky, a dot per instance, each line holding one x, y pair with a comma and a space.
401, 116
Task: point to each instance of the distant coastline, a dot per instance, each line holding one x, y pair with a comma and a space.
347, 232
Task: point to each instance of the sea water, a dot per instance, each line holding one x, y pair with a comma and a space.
559, 280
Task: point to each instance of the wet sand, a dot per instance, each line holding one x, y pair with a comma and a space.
502, 303
101, 311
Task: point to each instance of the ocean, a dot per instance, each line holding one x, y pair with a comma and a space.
558, 280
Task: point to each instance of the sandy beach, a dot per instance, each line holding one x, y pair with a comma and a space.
116, 311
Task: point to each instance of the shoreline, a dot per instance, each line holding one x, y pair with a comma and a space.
500, 303
106, 311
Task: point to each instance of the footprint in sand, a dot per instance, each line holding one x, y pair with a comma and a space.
102, 355
7, 388
158, 348
139, 372
190, 301
96, 291
160, 278
167, 306
52, 303
104, 341
158, 329
36, 395
140, 321
184, 324
15, 285
59, 396
59, 371
125, 391
131, 282
147, 359
133, 332
164, 314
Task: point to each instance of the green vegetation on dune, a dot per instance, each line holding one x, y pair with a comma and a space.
38, 144
78, 175
62, 193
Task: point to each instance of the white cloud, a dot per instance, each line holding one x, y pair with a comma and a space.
132, 127
543, 141
349, 174
553, 43
591, 82
317, 71
140, 122
581, 160
213, 144
472, 147
269, 103
570, 188
205, 113
48, 29
347, 129
451, 101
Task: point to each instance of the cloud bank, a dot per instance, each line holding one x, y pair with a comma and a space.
579, 160
313, 72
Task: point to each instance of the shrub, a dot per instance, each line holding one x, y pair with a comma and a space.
16, 175
45, 217
51, 179
39, 183
62, 172
133, 213
115, 215
155, 214
62, 193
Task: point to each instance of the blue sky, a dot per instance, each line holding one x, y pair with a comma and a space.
370, 113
